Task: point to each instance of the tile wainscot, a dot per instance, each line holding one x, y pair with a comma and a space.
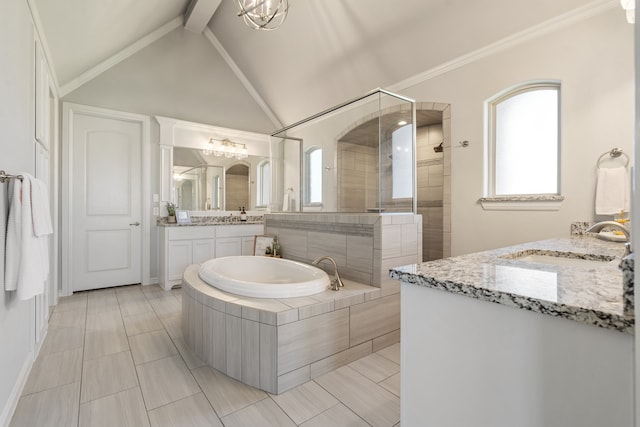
494, 339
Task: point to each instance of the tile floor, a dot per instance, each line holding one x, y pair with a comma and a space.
116, 357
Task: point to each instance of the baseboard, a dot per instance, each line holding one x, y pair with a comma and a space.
14, 397
152, 281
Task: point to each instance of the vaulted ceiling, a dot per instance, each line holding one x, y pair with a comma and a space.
326, 51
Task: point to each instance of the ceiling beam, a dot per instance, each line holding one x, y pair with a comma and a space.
199, 13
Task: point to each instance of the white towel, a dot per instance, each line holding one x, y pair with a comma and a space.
27, 255
612, 191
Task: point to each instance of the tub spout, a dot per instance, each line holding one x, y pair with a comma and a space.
336, 283
595, 228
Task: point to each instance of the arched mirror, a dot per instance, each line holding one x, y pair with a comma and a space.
237, 186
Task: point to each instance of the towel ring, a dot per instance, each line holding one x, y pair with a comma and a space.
614, 153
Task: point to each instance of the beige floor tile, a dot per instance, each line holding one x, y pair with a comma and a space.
68, 319
166, 305
367, 399
101, 300
62, 339
190, 359
142, 322
53, 370
173, 325
392, 384
337, 416
305, 401
264, 414
192, 411
375, 367
107, 375
105, 320
77, 301
124, 409
102, 343
136, 305
54, 407
166, 380
226, 394
392, 353
151, 346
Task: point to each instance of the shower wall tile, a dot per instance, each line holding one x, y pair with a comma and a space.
360, 253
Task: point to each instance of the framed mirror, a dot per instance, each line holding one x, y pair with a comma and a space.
205, 182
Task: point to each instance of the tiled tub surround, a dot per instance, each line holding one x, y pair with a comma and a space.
277, 344
365, 246
590, 295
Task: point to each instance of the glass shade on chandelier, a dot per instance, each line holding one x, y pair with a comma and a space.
226, 148
630, 8
263, 14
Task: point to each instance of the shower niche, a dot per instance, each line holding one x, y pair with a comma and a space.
356, 157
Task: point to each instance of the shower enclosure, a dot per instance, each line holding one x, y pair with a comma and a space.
358, 156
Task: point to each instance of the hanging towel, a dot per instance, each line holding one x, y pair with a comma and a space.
612, 191
27, 254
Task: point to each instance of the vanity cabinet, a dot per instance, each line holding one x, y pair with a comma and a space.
183, 246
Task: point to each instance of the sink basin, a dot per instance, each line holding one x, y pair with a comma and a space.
566, 259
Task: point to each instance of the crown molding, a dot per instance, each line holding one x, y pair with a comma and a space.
121, 55
243, 79
558, 22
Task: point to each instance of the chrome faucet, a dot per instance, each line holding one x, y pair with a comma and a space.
336, 283
595, 228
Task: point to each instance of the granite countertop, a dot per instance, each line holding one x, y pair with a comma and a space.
590, 293
212, 220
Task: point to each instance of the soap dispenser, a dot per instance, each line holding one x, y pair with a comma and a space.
243, 215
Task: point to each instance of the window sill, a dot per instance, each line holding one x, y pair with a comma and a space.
522, 203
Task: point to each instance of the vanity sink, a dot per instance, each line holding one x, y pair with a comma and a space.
566, 259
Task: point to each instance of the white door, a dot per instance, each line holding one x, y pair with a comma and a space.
106, 236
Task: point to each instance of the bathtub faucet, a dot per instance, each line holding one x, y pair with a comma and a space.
598, 226
336, 283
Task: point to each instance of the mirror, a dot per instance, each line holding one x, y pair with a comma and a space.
207, 182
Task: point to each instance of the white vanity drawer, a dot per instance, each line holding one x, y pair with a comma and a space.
191, 232
239, 230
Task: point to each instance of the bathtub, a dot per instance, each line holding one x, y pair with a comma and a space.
263, 277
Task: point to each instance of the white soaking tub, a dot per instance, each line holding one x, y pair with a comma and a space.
263, 277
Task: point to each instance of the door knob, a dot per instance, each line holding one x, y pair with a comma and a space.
135, 223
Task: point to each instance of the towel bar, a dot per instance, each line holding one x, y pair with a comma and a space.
5, 176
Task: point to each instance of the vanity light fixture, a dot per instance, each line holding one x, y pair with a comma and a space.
630, 7
226, 148
263, 14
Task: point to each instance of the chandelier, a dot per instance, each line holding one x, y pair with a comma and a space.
263, 14
226, 148
630, 8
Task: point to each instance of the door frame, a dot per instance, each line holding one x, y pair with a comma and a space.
69, 112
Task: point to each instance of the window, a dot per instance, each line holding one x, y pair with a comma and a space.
313, 176
402, 162
264, 184
523, 143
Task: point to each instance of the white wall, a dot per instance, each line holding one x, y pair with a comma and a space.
593, 59
181, 76
16, 155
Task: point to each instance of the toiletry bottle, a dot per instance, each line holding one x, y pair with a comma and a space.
276, 247
243, 215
